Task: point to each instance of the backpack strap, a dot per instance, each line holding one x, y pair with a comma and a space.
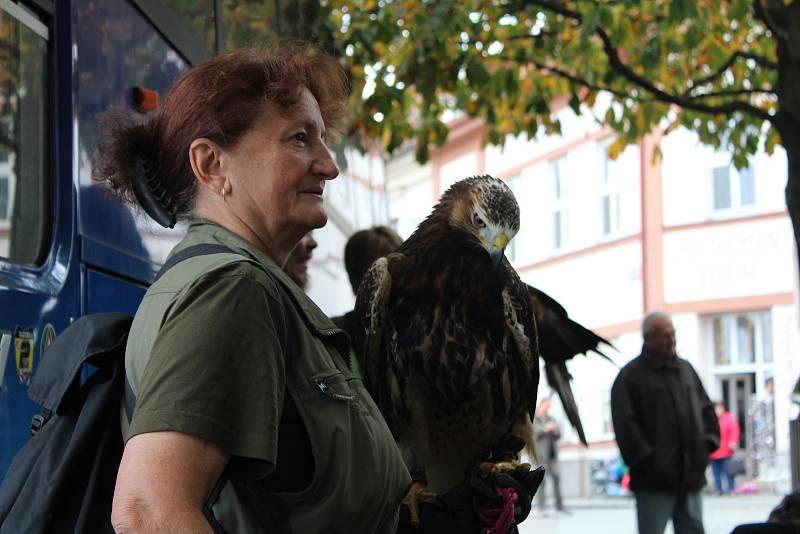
189, 252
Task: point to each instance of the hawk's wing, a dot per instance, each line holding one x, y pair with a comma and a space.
372, 309
522, 322
560, 339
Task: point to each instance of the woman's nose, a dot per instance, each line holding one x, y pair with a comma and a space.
324, 165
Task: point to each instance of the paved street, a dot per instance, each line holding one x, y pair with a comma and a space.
617, 515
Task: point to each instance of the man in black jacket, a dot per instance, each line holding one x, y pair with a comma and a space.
665, 428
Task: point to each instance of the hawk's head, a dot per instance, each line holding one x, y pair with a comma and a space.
484, 208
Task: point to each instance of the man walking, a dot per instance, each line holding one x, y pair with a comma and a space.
547, 434
665, 427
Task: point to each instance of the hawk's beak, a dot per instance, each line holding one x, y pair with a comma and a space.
497, 249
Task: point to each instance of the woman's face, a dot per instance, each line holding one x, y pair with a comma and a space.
277, 172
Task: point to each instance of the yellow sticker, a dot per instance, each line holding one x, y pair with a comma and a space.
23, 349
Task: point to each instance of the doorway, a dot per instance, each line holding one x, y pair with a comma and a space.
738, 391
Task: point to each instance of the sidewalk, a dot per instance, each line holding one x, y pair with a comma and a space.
617, 515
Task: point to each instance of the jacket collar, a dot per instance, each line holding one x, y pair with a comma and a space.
659, 362
315, 317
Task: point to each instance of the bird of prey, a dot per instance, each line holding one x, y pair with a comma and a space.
451, 350
451, 354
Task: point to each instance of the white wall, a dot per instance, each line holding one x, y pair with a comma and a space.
731, 260
599, 289
456, 169
409, 192
534, 188
354, 200
686, 168
518, 150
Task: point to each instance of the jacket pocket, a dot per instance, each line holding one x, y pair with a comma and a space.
333, 385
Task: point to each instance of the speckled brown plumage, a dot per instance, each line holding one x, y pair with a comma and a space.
451, 355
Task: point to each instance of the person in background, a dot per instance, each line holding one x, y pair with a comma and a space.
297, 263
728, 441
547, 434
665, 427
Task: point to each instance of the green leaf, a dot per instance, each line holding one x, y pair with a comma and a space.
477, 73
739, 8
422, 150
679, 10
771, 141
575, 104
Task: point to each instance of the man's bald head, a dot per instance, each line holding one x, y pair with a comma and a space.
659, 334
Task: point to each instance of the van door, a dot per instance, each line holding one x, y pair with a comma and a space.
39, 278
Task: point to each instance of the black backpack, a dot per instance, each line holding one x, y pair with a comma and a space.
63, 479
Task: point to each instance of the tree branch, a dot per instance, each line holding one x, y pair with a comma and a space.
765, 16
761, 60
618, 65
735, 92
580, 81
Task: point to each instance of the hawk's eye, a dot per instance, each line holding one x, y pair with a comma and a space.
477, 221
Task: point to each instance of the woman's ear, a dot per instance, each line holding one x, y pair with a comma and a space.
205, 157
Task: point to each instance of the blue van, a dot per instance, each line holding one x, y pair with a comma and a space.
66, 247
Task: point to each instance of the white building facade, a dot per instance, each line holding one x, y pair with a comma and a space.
613, 240
355, 200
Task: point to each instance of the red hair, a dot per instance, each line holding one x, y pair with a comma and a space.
219, 99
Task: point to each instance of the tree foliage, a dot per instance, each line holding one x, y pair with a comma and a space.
709, 65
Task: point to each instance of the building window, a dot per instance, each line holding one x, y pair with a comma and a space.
24, 135
742, 338
609, 193
721, 177
5, 197
560, 203
731, 189
747, 186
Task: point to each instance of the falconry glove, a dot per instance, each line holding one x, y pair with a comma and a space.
492, 504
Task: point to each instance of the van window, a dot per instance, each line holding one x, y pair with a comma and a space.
24, 136
199, 16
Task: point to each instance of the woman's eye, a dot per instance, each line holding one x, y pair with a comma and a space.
477, 221
301, 137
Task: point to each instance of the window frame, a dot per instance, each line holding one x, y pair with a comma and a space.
762, 340
609, 186
513, 252
720, 160
37, 17
5, 218
560, 188
175, 31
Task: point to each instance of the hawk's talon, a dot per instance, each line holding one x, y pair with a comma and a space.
418, 493
488, 469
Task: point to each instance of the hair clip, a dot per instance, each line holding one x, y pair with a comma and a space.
151, 195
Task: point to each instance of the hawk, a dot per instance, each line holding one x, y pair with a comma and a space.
451, 346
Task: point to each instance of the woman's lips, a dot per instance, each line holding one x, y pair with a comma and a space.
313, 191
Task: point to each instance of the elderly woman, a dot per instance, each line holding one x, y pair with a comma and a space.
246, 414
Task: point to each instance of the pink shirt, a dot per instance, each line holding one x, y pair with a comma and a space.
728, 436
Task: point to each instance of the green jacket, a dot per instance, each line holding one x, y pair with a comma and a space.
196, 342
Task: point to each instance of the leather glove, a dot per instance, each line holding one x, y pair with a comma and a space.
478, 505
